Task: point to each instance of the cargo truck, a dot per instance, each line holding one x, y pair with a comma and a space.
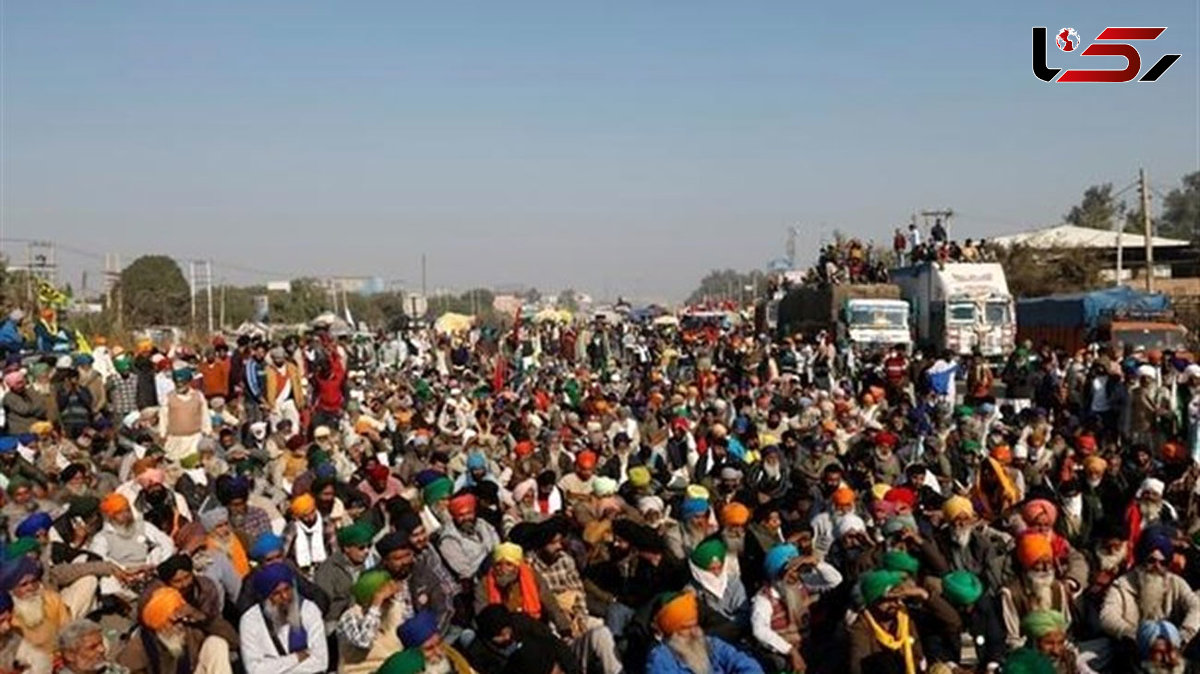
1114, 317
871, 316
960, 307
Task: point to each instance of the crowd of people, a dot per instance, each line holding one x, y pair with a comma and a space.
593, 498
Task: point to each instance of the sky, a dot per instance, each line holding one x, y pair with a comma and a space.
620, 148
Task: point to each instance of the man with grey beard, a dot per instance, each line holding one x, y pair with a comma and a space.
685, 647
283, 632
1037, 589
1160, 648
166, 641
1150, 591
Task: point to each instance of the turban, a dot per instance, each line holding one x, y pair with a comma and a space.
183, 374
876, 584
356, 535
1038, 624
14, 379
379, 473
173, 565
1150, 486
492, 620
898, 560
268, 578
71, 472
392, 542
462, 505
408, 661
476, 461
508, 552
112, 504
303, 504
1095, 464
13, 571
956, 507
1033, 548
34, 524
524, 489
41, 428
597, 531
1155, 539
1002, 453
1028, 661
150, 477
190, 536
8, 444
711, 550
735, 514
418, 629
693, 507
214, 517
677, 614
849, 524
901, 495
1153, 630
842, 496
731, 473
265, 545
427, 476
648, 504
778, 557
1086, 443
161, 607
962, 587
899, 523
190, 462
586, 459
604, 486
367, 584
440, 488
16, 483
696, 491
523, 448
639, 476
21, 547
1039, 511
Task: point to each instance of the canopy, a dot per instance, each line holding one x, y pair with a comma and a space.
549, 315
451, 322
1070, 236
666, 321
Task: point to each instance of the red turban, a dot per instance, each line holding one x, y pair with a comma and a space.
463, 504
902, 495
586, 459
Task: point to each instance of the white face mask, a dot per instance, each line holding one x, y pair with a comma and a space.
1073, 505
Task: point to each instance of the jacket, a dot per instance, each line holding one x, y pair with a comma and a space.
723, 658
335, 576
1120, 614
21, 410
143, 654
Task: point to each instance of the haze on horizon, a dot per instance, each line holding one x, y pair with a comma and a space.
620, 149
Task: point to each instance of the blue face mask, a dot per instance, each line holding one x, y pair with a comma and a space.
510, 648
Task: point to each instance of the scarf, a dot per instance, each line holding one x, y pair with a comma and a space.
895, 643
310, 543
1008, 496
236, 552
551, 504
531, 602
198, 475
712, 582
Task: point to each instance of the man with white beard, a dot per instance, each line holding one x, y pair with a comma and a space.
779, 612
283, 632
165, 640
38, 612
132, 544
1037, 589
1160, 648
1149, 508
685, 647
971, 545
1150, 591
420, 632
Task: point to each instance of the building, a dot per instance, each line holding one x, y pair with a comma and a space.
1173, 258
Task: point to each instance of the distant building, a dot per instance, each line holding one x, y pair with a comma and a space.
363, 285
506, 304
1173, 258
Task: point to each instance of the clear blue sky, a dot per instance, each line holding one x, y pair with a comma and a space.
619, 147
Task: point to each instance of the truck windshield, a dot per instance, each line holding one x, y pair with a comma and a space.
878, 317
1151, 338
997, 313
960, 313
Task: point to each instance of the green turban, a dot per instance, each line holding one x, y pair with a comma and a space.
962, 587
437, 490
122, 363
422, 390
368, 584
356, 535
1027, 661
408, 661
82, 506
971, 446
190, 462
876, 584
898, 560
1038, 624
21, 547
16, 483
964, 411
318, 456
707, 552
38, 369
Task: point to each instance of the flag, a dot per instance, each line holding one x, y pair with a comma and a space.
50, 296
498, 373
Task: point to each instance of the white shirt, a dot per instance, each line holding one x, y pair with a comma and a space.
260, 655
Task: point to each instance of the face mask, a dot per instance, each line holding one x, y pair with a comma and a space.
1074, 505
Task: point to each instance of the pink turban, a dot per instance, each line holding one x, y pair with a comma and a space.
1039, 512
150, 477
14, 378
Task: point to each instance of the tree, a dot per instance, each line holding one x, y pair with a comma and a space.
1098, 210
154, 292
1034, 272
1181, 210
727, 284
566, 300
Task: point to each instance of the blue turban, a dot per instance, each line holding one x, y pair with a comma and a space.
476, 461
427, 476
898, 523
83, 359
326, 470
268, 578
692, 507
14, 570
34, 524
1155, 539
1153, 630
8, 443
265, 545
27, 439
6, 602
183, 374
778, 558
418, 629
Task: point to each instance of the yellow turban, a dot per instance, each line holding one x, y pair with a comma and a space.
678, 614
162, 605
508, 552
957, 506
303, 504
1095, 464
41, 428
639, 476
696, 491
880, 489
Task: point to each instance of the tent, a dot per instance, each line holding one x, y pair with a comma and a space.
550, 315
451, 322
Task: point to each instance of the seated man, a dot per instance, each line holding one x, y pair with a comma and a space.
83, 651
282, 633
1047, 633
132, 544
1127, 605
420, 633
166, 641
1160, 648
779, 617
38, 612
685, 647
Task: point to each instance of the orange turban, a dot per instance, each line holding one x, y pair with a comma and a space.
678, 614
113, 504
843, 496
1095, 464
161, 607
1002, 453
1033, 548
586, 459
735, 515
303, 505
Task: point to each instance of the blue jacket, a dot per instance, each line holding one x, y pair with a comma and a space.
725, 659
10, 338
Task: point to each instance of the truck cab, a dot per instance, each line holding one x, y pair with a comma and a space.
877, 323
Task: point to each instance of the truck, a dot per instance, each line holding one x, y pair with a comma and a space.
871, 316
960, 307
1117, 317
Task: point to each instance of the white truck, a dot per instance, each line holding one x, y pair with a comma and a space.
960, 307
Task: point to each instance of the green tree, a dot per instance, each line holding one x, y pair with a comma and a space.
1035, 272
566, 300
1099, 208
727, 284
1181, 210
154, 292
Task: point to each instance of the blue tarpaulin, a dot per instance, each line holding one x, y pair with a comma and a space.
1087, 309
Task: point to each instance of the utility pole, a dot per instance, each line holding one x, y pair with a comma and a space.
1144, 186
943, 214
424, 289
222, 303
192, 288
791, 247
208, 286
